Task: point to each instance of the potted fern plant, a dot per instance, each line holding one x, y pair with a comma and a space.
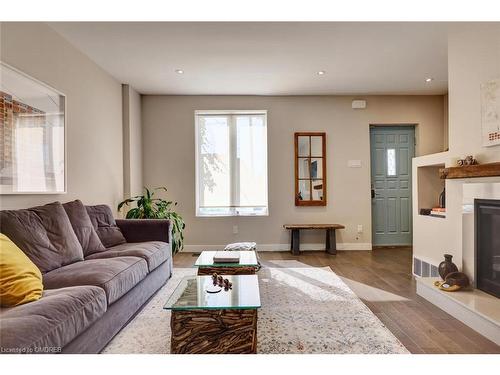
150, 207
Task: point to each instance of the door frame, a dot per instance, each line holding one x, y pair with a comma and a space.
401, 125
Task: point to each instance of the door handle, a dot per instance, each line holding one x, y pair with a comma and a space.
374, 194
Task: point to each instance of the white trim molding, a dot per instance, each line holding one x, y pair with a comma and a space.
350, 246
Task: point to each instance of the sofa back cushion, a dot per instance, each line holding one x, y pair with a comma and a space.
83, 228
105, 225
44, 234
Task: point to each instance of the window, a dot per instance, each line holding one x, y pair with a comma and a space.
391, 162
231, 163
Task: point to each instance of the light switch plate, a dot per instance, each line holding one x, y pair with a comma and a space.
354, 163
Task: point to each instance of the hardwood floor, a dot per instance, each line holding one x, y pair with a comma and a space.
382, 279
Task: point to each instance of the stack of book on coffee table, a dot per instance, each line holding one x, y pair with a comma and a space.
227, 257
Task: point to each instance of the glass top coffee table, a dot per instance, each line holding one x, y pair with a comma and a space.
209, 319
191, 294
247, 265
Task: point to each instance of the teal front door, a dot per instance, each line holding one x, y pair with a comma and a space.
392, 148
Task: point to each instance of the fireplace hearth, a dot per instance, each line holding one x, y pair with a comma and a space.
487, 245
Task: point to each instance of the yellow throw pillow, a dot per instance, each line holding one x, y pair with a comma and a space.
20, 278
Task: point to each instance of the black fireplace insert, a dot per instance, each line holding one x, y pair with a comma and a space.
487, 247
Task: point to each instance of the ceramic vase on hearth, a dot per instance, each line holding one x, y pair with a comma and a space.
447, 266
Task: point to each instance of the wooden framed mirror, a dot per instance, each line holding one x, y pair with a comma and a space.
310, 169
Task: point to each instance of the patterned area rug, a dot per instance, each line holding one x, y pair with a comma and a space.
304, 310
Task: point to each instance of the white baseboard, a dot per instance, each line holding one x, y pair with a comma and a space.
351, 246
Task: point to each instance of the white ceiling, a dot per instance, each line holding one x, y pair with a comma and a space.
268, 58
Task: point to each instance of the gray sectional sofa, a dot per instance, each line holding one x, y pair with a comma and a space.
97, 274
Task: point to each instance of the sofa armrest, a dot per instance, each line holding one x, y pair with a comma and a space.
142, 230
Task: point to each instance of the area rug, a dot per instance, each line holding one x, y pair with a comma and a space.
304, 310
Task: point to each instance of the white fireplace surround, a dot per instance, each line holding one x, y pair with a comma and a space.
475, 308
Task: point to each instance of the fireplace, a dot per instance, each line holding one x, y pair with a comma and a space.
487, 245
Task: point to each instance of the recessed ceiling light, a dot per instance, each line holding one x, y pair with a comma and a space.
179, 71
429, 79
321, 72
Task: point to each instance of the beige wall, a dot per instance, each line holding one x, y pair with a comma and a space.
473, 58
168, 132
132, 142
94, 113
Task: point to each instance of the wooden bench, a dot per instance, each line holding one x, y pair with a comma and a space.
330, 243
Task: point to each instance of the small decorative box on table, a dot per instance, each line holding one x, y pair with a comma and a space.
247, 264
223, 322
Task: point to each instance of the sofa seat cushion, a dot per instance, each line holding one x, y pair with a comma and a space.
154, 252
115, 275
46, 325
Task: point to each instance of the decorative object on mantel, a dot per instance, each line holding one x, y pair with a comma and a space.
454, 281
447, 266
469, 171
469, 160
490, 113
32, 135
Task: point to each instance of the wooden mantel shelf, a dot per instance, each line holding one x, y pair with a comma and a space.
468, 171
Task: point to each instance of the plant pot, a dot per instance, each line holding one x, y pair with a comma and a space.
447, 266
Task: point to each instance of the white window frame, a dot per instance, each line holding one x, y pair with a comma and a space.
233, 140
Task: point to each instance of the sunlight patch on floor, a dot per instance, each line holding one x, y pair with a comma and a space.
323, 275
370, 293
301, 284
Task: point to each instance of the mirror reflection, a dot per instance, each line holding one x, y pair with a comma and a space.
304, 168
316, 168
303, 147
304, 190
317, 190
317, 146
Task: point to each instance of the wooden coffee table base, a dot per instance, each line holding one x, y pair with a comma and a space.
250, 270
214, 331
